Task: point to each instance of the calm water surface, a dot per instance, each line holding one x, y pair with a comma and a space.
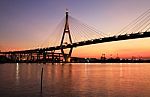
75, 80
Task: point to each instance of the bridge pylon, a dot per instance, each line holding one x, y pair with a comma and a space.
66, 34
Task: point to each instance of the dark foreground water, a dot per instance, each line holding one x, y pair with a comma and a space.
75, 80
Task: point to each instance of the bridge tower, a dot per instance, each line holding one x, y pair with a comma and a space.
66, 34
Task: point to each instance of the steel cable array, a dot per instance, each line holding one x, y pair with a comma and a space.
79, 32
140, 24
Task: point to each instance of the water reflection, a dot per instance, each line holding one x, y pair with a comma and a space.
75, 80
121, 71
17, 74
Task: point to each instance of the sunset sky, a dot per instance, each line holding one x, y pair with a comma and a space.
28, 24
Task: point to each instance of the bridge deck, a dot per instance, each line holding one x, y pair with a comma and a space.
88, 42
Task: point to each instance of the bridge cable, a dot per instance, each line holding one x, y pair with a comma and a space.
52, 35
89, 27
141, 23
122, 31
80, 31
76, 29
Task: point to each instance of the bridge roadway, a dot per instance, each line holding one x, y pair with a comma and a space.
88, 42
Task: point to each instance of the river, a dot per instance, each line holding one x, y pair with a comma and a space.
75, 80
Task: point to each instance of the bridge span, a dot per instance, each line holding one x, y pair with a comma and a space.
48, 54
87, 42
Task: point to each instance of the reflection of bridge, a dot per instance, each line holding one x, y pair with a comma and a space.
49, 54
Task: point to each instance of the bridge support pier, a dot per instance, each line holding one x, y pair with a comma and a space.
67, 56
44, 56
63, 43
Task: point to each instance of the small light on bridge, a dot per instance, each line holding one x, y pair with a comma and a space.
92, 40
141, 33
116, 36
127, 34
84, 41
67, 10
66, 30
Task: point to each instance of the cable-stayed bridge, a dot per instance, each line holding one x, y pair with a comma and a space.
75, 35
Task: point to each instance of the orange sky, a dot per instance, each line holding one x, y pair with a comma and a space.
124, 49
